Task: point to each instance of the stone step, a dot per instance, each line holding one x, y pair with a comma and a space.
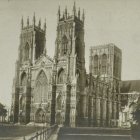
91, 130
90, 133
93, 137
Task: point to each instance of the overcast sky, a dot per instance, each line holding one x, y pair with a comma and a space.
106, 21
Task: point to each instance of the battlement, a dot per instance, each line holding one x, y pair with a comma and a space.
76, 14
33, 25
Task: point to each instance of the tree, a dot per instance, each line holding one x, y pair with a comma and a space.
136, 113
136, 117
3, 112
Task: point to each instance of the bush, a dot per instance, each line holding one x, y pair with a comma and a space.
136, 117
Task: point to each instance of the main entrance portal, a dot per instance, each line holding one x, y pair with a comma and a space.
40, 116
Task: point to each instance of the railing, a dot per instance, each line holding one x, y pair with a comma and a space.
43, 134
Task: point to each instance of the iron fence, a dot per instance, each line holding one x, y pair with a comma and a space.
43, 134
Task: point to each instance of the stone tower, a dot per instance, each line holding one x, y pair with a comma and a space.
32, 46
105, 61
69, 69
105, 67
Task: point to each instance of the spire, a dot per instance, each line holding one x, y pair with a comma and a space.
74, 9
79, 13
58, 14
34, 20
28, 21
66, 12
22, 23
83, 16
39, 23
45, 25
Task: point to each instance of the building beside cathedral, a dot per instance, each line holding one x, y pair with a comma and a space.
130, 98
59, 90
104, 88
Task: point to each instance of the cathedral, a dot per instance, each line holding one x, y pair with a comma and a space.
59, 90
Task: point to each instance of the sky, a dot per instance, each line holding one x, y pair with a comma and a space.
106, 21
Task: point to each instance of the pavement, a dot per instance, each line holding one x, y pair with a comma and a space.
94, 134
54, 135
94, 137
18, 132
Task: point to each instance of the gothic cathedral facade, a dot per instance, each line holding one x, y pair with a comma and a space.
58, 90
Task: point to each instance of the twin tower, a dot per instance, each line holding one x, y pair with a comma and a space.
57, 90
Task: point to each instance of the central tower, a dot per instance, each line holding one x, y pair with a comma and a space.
69, 68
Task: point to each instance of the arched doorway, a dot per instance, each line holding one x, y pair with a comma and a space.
58, 118
40, 116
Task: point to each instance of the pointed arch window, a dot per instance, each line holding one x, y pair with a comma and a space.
23, 79
64, 45
95, 64
78, 79
104, 63
22, 103
26, 52
41, 88
61, 76
59, 100
116, 65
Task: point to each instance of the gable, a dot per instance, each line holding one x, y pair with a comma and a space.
44, 60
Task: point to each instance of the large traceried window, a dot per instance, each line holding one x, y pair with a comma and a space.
26, 52
95, 64
41, 88
61, 77
64, 45
104, 63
